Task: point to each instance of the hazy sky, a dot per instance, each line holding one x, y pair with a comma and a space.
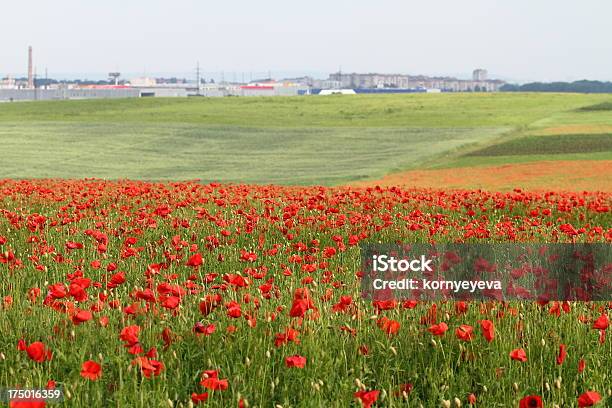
513, 39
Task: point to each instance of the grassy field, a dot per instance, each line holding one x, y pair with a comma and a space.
306, 140
412, 110
557, 144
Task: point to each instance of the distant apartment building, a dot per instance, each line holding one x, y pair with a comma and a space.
8, 83
479, 82
143, 81
479, 75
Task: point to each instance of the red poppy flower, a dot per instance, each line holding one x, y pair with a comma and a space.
602, 322
581, 365
130, 334
214, 383
207, 330
562, 354
116, 280
518, 355
465, 332
197, 398
171, 302
38, 352
148, 366
367, 398
588, 399
91, 370
284, 338
27, 404
438, 329
389, 326
81, 316
295, 361
488, 330
195, 260
531, 401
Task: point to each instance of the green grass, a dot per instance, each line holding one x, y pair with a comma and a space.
418, 110
604, 106
232, 154
543, 145
296, 140
482, 161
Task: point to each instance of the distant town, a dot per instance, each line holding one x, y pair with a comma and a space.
33, 87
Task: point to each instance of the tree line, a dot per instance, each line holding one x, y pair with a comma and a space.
583, 86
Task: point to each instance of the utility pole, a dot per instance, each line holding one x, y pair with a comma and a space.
198, 79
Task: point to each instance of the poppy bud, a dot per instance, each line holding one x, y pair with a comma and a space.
515, 386
67, 394
547, 386
457, 402
557, 384
170, 403
543, 342
446, 404
2, 356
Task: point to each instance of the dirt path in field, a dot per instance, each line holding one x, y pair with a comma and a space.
579, 175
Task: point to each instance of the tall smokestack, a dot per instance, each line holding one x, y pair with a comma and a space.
30, 69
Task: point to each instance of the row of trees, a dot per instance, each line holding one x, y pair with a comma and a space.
583, 86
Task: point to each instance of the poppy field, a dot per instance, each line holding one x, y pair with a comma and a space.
133, 293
